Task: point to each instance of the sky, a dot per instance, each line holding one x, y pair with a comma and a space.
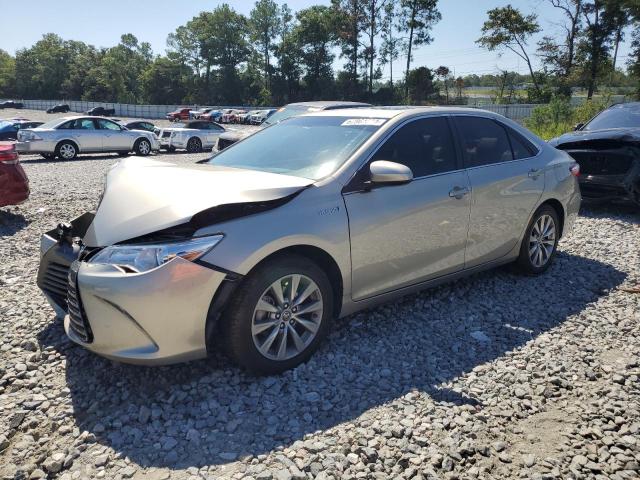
102, 23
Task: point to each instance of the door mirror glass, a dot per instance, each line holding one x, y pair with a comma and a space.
385, 172
578, 126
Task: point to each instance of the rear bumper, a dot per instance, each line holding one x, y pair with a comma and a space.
39, 146
14, 185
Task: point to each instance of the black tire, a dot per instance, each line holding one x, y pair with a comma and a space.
66, 150
194, 145
47, 156
236, 323
123, 154
142, 147
525, 263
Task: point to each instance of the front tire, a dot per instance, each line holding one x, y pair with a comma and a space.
142, 147
194, 145
279, 315
540, 241
66, 150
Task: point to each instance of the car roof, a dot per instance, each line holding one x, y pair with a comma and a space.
393, 111
633, 105
328, 104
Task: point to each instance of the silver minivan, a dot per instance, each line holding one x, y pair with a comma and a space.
257, 249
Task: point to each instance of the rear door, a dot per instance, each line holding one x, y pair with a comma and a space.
86, 134
408, 233
212, 132
507, 179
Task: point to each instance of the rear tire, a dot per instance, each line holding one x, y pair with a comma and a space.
48, 156
300, 311
123, 154
142, 147
540, 242
66, 150
194, 145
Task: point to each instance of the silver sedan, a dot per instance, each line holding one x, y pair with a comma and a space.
66, 137
313, 218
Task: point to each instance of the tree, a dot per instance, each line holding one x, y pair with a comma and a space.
633, 62
391, 44
7, 74
349, 16
289, 55
316, 36
560, 56
264, 26
419, 84
507, 28
371, 26
596, 42
166, 81
417, 18
443, 74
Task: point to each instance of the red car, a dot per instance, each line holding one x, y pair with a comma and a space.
14, 184
180, 114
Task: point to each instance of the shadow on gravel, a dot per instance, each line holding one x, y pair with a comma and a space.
209, 412
79, 158
11, 223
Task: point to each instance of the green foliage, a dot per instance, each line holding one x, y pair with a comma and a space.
558, 116
7, 74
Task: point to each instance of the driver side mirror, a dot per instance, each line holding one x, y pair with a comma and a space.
578, 126
384, 172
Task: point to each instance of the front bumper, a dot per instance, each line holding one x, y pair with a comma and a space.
153, 318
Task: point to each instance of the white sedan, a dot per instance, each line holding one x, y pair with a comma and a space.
66, 137
194, 136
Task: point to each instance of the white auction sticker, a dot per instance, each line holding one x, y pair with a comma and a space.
375, 122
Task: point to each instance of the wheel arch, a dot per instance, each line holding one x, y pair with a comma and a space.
557, 206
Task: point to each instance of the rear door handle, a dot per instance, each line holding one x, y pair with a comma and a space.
458, 192
535, 172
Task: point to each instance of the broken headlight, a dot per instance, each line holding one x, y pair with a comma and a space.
141, 258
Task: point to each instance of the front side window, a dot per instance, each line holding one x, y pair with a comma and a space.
425, 146
108, 125
309, 147
484, 141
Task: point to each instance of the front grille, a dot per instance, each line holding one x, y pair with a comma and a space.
224, 143
77, 316
54, 283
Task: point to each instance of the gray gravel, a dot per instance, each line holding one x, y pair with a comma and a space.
495, 376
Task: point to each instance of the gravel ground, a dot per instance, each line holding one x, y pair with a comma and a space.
495, 376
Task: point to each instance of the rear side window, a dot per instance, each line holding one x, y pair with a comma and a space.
425, 146
522, 148
484, 141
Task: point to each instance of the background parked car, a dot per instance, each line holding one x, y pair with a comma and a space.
14, 184
290, 110
11, 104
180, 114
60, 108
9, 128
193, 136
212, 116
261, 116
140, 125
66, 137
231, 115
101, 111
608, 151
243, 118
197, 114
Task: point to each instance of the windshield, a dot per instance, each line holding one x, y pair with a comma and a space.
287, 112
616, 117
4, 124
308, 147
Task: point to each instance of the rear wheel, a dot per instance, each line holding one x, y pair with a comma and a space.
66, 150
279, 315
194, 145
142, 147
540, 241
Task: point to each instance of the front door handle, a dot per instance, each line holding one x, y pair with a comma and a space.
535, 173
458, 192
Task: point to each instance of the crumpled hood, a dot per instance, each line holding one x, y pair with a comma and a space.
143, 196
625, 135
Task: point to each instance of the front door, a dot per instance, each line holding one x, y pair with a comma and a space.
115, 138
408, 233
507, 180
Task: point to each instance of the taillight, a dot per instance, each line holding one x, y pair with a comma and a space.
8, 154
575, 169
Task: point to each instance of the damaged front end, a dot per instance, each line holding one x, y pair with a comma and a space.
609, 169
59, 248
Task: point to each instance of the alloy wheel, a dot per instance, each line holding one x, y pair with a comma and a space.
67, 151
144, 148
542, 240
287, 317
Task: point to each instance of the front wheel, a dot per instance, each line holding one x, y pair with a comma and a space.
142, 147
194, 145
540, 241
279, 315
